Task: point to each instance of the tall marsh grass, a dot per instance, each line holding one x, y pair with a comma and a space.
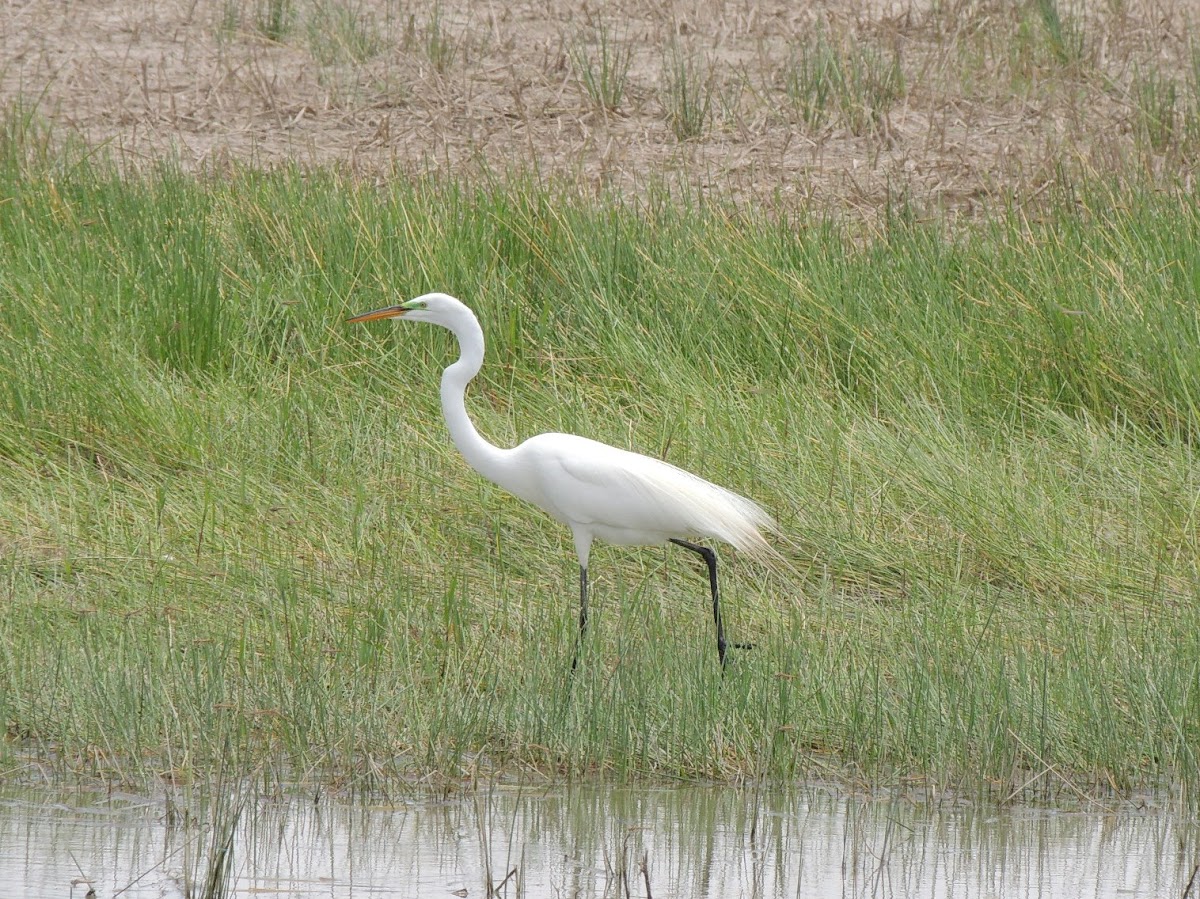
234, 535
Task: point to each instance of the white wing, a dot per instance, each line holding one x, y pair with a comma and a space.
626, 497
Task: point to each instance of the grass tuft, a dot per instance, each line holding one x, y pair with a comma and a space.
603, 70
1155, 99
687, 93
855, 87
274, 18
439, 46
340, 32
1063, 33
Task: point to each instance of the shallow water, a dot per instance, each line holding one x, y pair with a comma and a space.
695, 841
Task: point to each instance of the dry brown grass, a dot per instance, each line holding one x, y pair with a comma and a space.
994, 105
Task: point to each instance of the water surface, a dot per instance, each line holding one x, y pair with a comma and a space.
593, 841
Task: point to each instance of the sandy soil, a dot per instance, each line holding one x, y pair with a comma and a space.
995, 104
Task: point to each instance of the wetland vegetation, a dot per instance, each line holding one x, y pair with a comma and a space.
235, 534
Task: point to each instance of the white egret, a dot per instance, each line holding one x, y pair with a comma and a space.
595, 489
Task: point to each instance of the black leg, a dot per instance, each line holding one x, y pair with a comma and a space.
710, 559
582, 614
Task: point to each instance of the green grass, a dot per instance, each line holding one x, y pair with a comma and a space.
441, 47
234, 536
1155, 98
343, 33
602, 67
687, 93
1167, 110
1063, 34
854, 86
273, 18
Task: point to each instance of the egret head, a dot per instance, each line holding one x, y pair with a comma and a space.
437, 308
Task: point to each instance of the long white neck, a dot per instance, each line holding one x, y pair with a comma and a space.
485, 458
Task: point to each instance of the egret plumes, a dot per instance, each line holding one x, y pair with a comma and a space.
597, 490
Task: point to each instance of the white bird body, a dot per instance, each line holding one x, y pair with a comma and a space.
627, 498
597, 490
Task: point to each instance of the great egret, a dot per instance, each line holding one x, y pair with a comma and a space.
595, 489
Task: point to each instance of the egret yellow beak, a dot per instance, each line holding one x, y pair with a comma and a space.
376, 314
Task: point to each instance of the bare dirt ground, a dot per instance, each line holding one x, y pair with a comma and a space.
955, 105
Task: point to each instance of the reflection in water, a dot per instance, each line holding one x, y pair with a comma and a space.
593, 841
